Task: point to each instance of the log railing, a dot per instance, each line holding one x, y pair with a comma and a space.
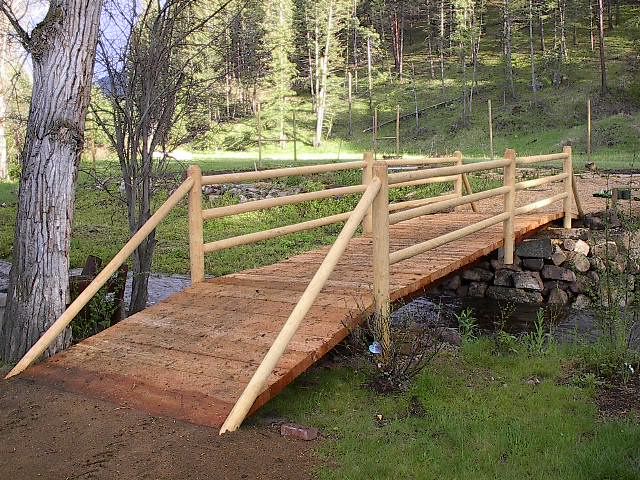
373, 212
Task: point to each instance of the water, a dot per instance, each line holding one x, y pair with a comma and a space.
566, 324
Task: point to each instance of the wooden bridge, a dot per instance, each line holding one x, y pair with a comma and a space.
222, 348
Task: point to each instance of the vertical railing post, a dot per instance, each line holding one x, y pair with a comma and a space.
568, 186
509, 206
380, 211
458, 189
196, 240
367, 176
397, 130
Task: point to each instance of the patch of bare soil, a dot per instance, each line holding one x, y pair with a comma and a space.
620, 400
50, 434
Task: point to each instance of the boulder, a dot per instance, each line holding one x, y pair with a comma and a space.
597, 264
575, 233
499, 265
581, 302
552, 272
462, 291
477, 289
558, 257
452, 283
569, 244
558, 296
451, 336
535, 264
515, 295
605, 250
477, 275
504, 277
528, 281
580, 262
593, 276
582, 247
535, 248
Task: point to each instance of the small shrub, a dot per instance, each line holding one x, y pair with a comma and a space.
467, 324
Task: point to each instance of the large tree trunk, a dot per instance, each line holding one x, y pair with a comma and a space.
4, 40
62, 49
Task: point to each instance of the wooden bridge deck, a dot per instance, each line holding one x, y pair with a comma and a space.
190, 356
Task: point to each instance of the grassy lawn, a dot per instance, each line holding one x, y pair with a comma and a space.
469, 415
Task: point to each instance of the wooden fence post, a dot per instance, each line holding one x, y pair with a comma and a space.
459, 185
367, 176
259, 132
196, 240
375, 130
382, 327
397, 130
490, 129
509, 206
568, 186
295, 137
589, 129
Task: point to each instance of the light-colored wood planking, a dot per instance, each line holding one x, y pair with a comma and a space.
191, 356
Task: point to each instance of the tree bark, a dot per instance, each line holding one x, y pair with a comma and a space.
507, 45
62, 49
4, 40
603, 63
534, 81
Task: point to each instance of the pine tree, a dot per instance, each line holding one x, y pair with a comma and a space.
278, 39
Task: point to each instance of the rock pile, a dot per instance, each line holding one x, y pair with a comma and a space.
246, 192
561, 267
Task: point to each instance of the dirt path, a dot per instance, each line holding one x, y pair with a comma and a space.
49, 434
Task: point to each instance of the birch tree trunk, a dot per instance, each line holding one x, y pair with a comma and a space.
62, 49
507, 46
534, 81
603, 63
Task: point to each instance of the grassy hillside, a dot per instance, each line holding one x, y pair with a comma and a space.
532, 123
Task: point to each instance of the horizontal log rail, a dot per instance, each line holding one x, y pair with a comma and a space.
101, 279
541, 158
243, 177
444, 204
423, 247
445, 171
425, 181
545, 202
422, 201
538, 182
256, 384
267, 203
400, 162
250, 238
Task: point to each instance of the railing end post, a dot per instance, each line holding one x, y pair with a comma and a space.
459, 185
381, 261
367, 176
568, 185
509, 206
196, 236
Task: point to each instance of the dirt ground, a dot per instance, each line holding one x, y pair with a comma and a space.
49, 434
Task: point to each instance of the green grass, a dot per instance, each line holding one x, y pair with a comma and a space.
481, 420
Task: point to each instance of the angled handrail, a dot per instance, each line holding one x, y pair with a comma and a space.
103, 277
255, 385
